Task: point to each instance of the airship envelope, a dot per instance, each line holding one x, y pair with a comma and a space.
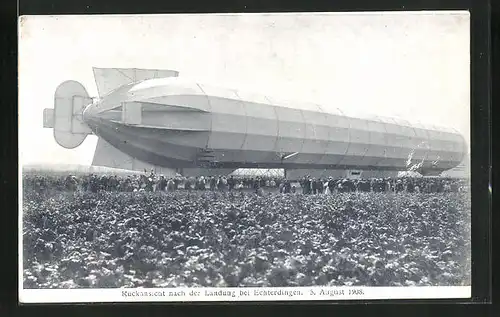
156, 117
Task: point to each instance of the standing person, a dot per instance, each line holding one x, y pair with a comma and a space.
399, 186
282, 185
262, 182
313, 186
360, 185
303, 183
410, 187
375, 185
454, 187
170, 185
342, 186
203, 183
319, 186
176, 181
352, 185
142, 184
287, 187
432, 186
427, 187
70, 183
92, 185
339, 186
256, 185
149, 184
162, 184
219, 183
417, 189
308, 185
103, 183
345, 185
110, 183
277, 182
187, 184
439, 187
136, 184
126, 185
84, 183
239, 185
326, 189
331, 184
446, 187
213, 183
387, 185
368, 185
224, 183
231, 183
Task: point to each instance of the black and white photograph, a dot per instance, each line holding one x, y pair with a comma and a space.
244, 157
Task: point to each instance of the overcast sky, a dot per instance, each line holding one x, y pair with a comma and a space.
411, 65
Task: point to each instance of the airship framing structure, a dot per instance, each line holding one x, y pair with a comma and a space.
153, 118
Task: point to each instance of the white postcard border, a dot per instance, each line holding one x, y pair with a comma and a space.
235, 294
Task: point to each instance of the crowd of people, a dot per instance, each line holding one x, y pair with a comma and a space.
307, 185
403, 184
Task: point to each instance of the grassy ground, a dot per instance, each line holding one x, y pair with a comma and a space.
224, 239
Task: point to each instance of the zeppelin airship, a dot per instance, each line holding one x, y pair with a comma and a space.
156, 118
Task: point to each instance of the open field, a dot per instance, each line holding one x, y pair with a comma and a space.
192, 239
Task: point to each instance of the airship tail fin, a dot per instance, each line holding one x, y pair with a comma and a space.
108, 156
70, 99
109, 79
